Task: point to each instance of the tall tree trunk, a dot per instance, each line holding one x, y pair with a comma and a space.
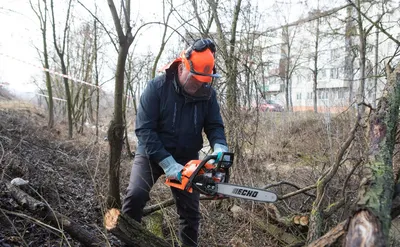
349, 57
315, 71
363, 42
116, 128
231, 64
68, 97
376, 64
42, 16
60, 53
96, 76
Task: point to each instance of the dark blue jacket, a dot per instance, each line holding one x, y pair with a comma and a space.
168, 123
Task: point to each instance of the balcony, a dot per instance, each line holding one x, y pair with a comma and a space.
273, 88
332, 83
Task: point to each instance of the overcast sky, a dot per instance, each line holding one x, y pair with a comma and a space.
20, 34
19, 63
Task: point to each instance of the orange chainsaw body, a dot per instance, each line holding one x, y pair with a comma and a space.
187, 172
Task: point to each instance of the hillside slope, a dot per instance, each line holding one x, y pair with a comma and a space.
57, 171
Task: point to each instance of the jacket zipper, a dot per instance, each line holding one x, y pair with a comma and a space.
195, 119
174, 119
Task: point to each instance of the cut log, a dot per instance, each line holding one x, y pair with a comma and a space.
303, 220
62, 222
131, 232
296, 219
365, 230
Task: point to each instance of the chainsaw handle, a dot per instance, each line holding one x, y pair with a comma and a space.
201, 165
220, 164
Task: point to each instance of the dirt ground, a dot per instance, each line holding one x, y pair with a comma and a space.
71, 176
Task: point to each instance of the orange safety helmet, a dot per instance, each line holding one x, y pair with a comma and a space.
199, 59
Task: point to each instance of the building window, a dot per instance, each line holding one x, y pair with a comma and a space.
309, 95
309, 76
334, 73
341, 94
323, 73
335, 54
322, 95
298, 96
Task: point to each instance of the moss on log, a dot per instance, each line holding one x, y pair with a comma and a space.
131, 232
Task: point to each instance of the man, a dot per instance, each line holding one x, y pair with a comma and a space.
174, 109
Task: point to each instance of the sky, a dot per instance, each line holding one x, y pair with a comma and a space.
19, 60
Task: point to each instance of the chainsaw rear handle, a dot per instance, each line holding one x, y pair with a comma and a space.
223, 163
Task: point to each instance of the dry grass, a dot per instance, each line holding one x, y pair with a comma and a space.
293, 147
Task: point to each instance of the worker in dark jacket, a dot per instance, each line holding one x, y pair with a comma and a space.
174, 109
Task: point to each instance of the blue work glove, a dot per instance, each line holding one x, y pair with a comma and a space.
172, 169
218, 150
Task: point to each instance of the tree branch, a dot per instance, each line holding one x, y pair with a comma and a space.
374, 23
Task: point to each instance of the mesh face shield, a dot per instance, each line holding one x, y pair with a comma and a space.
197, 89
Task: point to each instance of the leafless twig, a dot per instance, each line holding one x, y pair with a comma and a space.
286, 183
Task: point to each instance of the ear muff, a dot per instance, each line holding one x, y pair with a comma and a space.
201, 45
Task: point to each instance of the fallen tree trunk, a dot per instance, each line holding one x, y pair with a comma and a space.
131, 232
371, 221
62, 222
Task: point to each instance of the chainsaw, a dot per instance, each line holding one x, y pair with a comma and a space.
211, 179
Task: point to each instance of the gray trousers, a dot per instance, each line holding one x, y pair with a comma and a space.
143, 176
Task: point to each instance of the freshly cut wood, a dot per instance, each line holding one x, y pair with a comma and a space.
296, 219
62, 222
365, 229
131, 232
303, 220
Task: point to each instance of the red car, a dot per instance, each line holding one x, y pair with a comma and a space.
270, 106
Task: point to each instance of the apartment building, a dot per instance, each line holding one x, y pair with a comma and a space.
297, 57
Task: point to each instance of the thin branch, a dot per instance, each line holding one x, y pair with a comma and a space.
3, 211
150, 209
297, 192
116, 20
101, 23
374, 23
348, 177
34, 220
285, 183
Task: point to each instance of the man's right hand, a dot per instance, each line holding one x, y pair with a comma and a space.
172, 169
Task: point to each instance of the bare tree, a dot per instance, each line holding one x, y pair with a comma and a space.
290, 61
315, 69
164, 38
116, 128
227, 45
60, 49
41, 13
350, 55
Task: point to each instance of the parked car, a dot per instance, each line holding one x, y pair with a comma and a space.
270, 106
